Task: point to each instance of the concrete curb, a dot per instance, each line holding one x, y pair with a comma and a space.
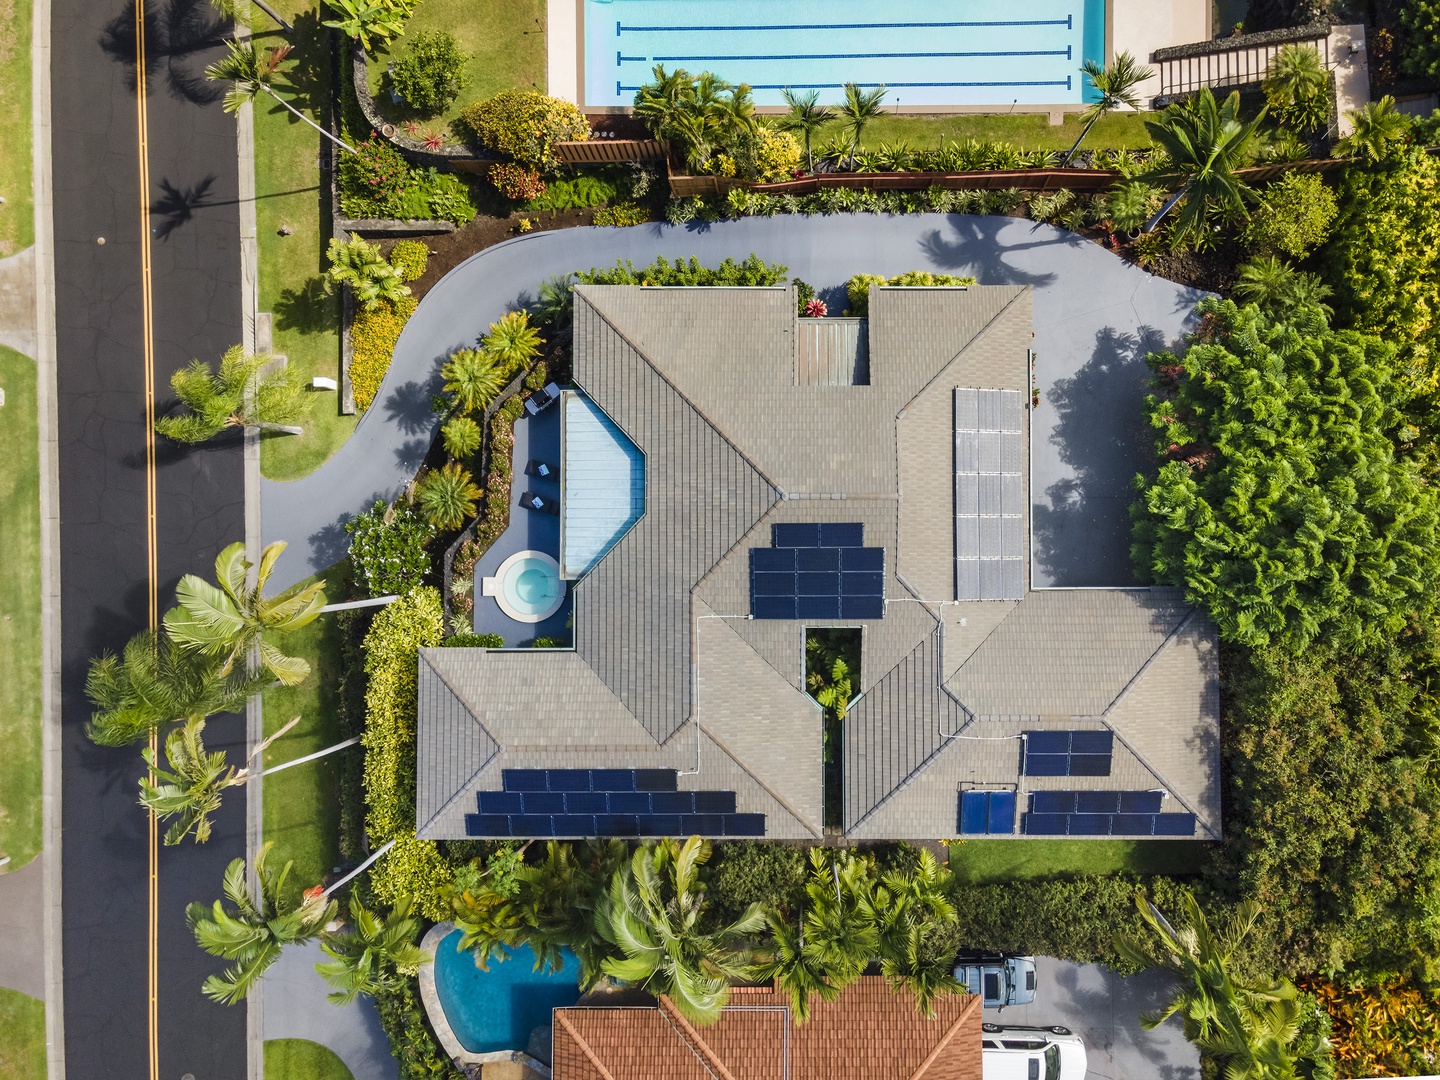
45, 356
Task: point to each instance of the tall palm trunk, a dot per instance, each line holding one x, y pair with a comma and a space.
1151, 225
1065, 164
274, 15
338, 142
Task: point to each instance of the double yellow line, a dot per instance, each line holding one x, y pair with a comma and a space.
148, 343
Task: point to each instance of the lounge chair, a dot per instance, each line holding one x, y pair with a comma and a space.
539, 503
545, 471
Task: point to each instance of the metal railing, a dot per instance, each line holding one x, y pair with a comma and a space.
1230, 63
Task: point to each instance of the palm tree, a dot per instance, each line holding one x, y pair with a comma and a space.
910, 905
797, 971
1116, 84
1251, 1027
461, 436
1129, 205
659, 103
653, 914
805, 116
1297, 87
155, 682
446, 496
238, 11
234, 396
363, 954
369, 274
555, 303
192, 791
1204, 142
512, 341
226, 621
253, 74
254, 933
473, 378
363, 20
1281, 291
1378, 129
859, 108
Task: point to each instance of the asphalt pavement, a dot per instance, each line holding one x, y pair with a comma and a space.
1095, 317
194, 229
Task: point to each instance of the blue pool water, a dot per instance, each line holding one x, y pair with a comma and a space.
928, 52
498, 1009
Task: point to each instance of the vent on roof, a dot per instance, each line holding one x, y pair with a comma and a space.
989, 494
832, 352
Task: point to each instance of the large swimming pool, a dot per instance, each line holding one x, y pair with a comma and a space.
498, 1009
928, 52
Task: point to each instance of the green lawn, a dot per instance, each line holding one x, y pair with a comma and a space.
20, 770
300, 1059
505, 40
22, 1036
17, 215
977, 862
1028, 131
302, 805
288, 192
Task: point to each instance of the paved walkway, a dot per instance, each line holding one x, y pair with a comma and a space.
1095, 317
17, 301
22, 921
296, 1008
1104, 1010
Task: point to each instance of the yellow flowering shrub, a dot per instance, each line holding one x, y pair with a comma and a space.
373, 334
414, 868
777, 155
523, 124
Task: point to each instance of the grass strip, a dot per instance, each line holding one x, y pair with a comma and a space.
17, 214
22, 1036
981, 862
301, 1059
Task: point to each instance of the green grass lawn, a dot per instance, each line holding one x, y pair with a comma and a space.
20, 769
17, 215
22, 1036
1028, 131
302, 805
300, 1059
288, 192
505, 40
977, 862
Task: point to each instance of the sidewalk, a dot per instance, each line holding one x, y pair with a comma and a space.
22, 907
295, 1008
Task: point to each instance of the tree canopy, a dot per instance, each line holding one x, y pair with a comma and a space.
1284, 500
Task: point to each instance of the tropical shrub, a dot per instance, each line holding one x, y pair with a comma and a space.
461, 436
515, 181
410, 257
446, 496
705, 116
523, 124
429, 73
588, 189
387, 548
773, 155
1389, 1029
752, 270
415, 621
1297, 213
412, 1042
373, 334
359, 264
376, 171
1282, 292
1297, 87
370, 22
1282, 501
377, 182
1384, 258
622, 215
857, 289
475, 641
413, 869
745, 872
1379, 132
1421, 21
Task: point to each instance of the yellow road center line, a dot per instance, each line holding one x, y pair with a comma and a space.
152, 566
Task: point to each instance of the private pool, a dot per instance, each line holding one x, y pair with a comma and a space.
500, 1008
527, 586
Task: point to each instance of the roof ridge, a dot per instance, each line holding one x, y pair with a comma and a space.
944, 1042
758, 782
594, 1059
469, 709
463, 789
698, 1046
989, 324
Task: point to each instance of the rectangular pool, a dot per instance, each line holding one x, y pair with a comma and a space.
950, 52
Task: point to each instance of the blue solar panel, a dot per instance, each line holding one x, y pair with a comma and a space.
778, 560
569, 779
1045, 824
574, 825
862, 607
1053, 802
862, 584
1047, 742
673, 802
818, 584
773, 607
487, 825
544, 802
1002, 813
615, 825
795, 534
861, 560
705, 824
500, 802
1089, 824
1092, 742
817, 559
842, 534
1132, 825
1140, 802
773, 584
612, 779
532, 825
659, 824
1047, 764
817, 607
715, 802
974, 813
1174, 824
629, 802
744, 824
1097, 802
655, 780
523, 779
586, 802
1067, 753
1089, 765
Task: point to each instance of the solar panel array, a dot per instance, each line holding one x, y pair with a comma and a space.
817, 571
989, 494
1102, 813
1068, 753
986, 813
605, 802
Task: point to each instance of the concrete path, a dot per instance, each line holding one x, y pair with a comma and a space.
17, 301
1095, 317
22, 938
1104, 1010
296, 1008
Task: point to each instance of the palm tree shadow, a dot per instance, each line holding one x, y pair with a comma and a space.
176, 206
177, 33
978, 250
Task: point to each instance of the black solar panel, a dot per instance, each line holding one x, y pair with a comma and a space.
1068, 753
544, 802
586, 802
1102, 813
843, 581
1174, 824
655, 780
612, 779
795, 534
500, 802
523, 779
568, 779
842, 534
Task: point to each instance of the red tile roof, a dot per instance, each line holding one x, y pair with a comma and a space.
868, 1031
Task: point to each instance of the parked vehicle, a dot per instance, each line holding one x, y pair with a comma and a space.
1001, 980
1031, 1053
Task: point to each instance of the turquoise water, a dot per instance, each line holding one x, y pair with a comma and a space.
928, 52
498, 1009
604, 482
530, 586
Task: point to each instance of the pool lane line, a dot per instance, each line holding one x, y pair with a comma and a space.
1065, 82
1065, 52
1067, 22
152, 1012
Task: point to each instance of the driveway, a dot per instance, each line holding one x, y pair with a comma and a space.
1095, 317
1104, 1010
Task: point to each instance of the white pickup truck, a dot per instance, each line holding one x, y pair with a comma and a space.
1026, 1053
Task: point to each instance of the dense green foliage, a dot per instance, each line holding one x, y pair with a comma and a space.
574, 193
1333, 817
1298, 211
1282, 501
711, 121
387, 548
1384, 259
743, 872
752, 270
429, 73
410, 258
377, 181
412, 1042
1297, 87
1204, 142
857, 289
524, 125
1421, 21
373, 335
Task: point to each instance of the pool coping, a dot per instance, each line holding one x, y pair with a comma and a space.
430, 996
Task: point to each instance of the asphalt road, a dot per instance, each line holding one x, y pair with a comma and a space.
195, 233
1096, 316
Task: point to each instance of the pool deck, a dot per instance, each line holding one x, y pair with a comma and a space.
535, 437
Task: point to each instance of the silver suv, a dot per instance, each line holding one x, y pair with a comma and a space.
1029, 1053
